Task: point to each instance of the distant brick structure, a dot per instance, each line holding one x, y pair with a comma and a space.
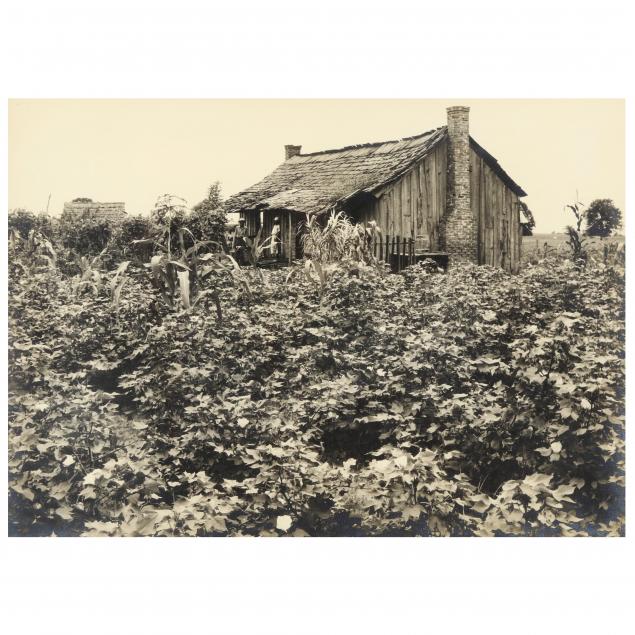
460, 231
87, 208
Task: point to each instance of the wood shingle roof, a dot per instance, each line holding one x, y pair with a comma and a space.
310, 183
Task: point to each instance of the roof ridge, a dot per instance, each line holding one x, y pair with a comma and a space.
370, 144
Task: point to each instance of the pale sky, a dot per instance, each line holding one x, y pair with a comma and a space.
136, 150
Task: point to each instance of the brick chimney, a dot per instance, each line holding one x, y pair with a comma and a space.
460, 228
291, 151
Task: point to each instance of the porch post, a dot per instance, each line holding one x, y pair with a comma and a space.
290, 238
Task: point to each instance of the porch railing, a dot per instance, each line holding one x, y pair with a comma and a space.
400, 252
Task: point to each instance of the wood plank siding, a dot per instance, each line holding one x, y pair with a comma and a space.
413, 206
497, 210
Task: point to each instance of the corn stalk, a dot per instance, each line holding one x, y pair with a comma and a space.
256, 247
319, 274
340, 239
90, 274
36, 249
117, 283
575, 236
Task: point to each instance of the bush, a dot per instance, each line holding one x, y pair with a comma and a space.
84, 235
22, 222
133, 228
471, 403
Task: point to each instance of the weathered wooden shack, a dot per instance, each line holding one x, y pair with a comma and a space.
440, 190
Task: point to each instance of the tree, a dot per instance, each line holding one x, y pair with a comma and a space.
602, 218
208, 218
529, 223
213, 200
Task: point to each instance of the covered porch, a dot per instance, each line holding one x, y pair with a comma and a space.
287, 247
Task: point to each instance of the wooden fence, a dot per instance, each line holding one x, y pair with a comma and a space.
398, 252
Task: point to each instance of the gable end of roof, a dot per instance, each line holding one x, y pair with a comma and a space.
497, 169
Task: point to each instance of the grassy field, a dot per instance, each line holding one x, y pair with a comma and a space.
534, 246
559, 239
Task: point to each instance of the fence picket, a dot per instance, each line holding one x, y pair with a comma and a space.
399, 252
